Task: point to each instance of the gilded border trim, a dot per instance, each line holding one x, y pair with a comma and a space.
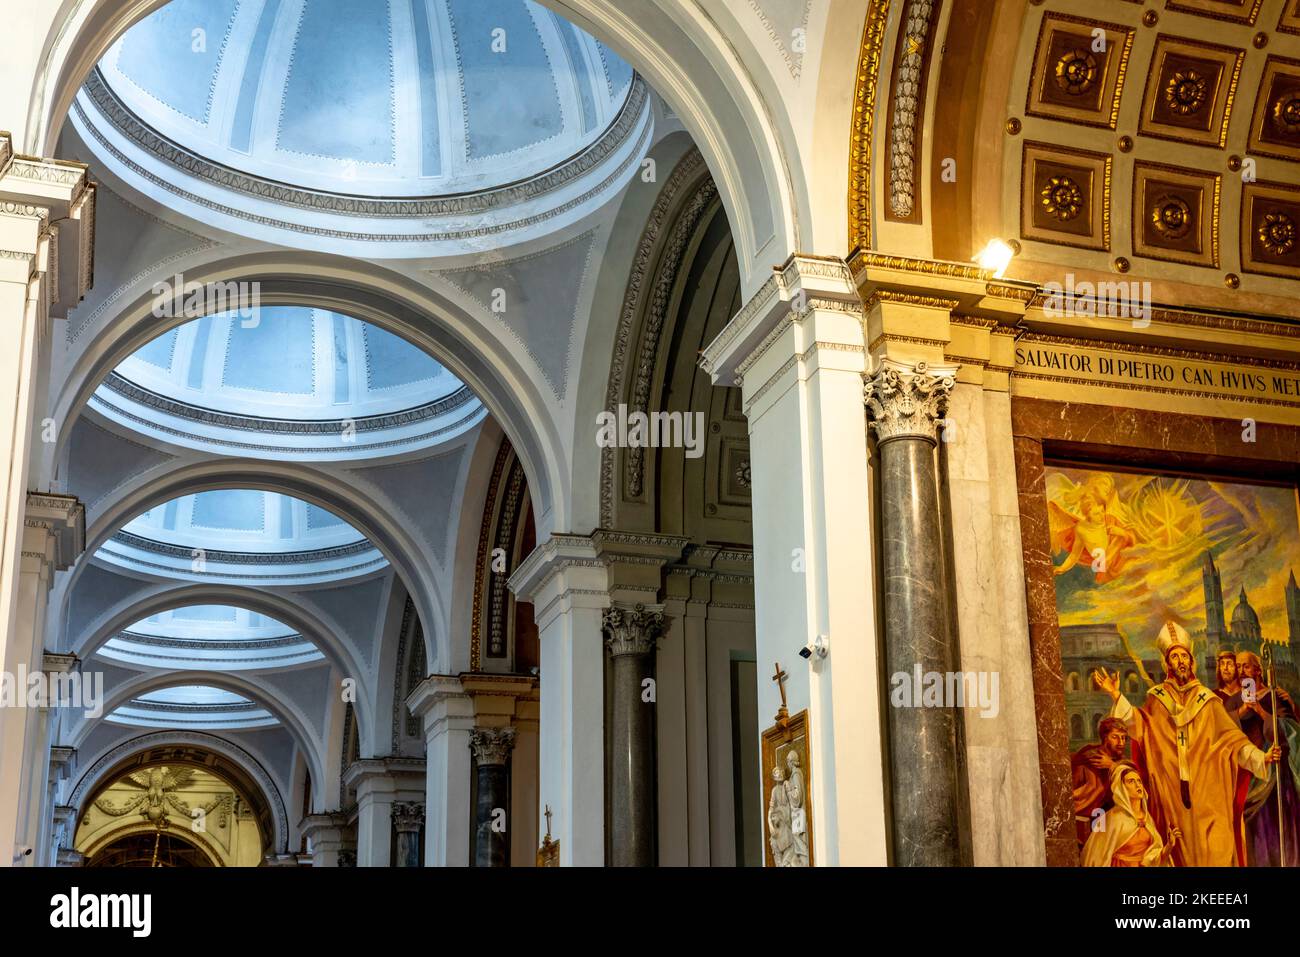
864, 114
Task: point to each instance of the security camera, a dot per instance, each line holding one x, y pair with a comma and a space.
22, 851
818, 646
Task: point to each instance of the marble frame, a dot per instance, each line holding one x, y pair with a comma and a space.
1046, 431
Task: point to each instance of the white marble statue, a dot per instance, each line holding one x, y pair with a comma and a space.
796, 795
778, 820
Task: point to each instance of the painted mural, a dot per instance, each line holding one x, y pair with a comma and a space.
1179, 612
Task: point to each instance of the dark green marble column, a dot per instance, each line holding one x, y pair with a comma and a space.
906, 404
491, 748
631, 634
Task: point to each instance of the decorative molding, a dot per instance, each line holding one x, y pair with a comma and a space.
688, 168
358, 206
465, 204
483, 556
196, 739
909, 100
907, 401
506, 529
248, 423
408, 816
863, 128
491, 745
795, 65
632, 631
221, 557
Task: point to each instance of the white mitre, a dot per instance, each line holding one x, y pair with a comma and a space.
1173, 635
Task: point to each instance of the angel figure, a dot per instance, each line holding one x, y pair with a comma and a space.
1088, 523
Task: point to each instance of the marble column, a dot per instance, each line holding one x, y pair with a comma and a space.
905, 403
408, 819
631, 637
492, 747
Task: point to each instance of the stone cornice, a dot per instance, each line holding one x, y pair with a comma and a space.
63, 520
368, 771
435, 694
6, 152
801, 284
559, 554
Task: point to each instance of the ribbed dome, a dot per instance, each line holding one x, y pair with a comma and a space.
370, 97
287, 381
192, 706
242, 534
1244, 619
218, 637
288, 362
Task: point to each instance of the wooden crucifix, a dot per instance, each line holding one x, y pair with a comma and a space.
779, 678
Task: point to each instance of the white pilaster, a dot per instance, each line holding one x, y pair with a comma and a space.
380, 783
567, 583
53, 535
797, 349
448, 715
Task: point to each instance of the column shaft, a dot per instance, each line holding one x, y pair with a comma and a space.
491, 747
632, 797
905, 404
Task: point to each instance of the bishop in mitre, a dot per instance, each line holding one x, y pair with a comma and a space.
1193, 750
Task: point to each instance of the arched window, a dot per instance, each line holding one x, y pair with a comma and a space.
1072, 681
1096, 725
1076, 726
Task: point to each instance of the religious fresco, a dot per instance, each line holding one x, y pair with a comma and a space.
1179, 611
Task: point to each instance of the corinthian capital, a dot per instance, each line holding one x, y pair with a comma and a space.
632, 631
408, 815
908, 401
491, 745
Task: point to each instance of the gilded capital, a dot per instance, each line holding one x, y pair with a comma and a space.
632, 631
491, 745
908, 400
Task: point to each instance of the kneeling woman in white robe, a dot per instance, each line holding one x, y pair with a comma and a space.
1127, 837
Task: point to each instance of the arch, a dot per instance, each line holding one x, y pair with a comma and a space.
1076, 726
502, 379
706, 69
111, 763
166, 596
385, 531
200, 842
289, 717
1072, 681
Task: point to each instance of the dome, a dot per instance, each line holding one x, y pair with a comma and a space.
408, 97
192, 706
212, 637
287, 379
1244, 620
242, 535
424, 127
